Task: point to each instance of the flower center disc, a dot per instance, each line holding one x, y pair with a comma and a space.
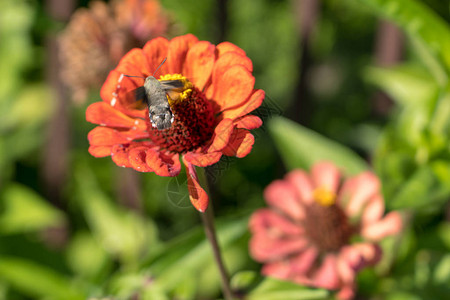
193, 120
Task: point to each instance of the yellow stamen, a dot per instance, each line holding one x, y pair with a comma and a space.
177, 95
324, 197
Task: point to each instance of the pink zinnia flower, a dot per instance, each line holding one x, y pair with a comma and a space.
305, 235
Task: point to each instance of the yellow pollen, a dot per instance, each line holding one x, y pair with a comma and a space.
178, 95
324, 197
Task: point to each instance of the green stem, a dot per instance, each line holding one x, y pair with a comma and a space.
210, 231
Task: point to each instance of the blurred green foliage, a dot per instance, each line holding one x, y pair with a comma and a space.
92, 245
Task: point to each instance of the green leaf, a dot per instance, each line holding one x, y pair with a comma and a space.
301, 148
418, 21
37, 280
25, 211
273, 289
430, 184
407, 84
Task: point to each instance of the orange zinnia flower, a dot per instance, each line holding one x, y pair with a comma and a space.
306, 234
210, 115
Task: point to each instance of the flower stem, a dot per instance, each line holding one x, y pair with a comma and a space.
210, 231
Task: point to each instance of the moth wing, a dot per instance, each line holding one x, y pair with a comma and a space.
176, 85
137, 98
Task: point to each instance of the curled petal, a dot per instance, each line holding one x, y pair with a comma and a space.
248, 122
359, 191
253, 102
281, 195
326, 175
163, 164
155, 51
373, 211
199, 63
268, 248
391, 224
269, 222
199, 198
178, 48
222, 134
302, 184
137, 159
240, 143
234, 88
119, 155
100, 151
202, 159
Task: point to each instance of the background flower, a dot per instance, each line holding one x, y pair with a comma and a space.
306, 233
210, 119
97, 37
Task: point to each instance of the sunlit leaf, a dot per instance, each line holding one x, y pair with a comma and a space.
301, 148
25, 210
37, 280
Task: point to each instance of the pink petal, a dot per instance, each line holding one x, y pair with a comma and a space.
281, 195
347, 292
303, 262
267, 248
302, 185
199, 198
326, 175
277, 269
269, 222
373, 211
391, 224
359, 191
326, 275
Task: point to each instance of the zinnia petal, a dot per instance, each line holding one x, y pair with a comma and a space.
391, 224
302, 184
248, 122
105, 136
327, 276
138, 159
199, 63
270, 222
155, 51
104, 114
178, 48
359, 191
240, 143
222, 134
163, 164
267, 248
226, 47
234, 87
100, 151
202, 159
326, 175
373, 211
281, 195
199, 198
254, 101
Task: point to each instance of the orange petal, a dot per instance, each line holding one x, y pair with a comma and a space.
222, 134
134, 63
223, 63
199, 63
178, 48
203, 159
100, 151
253, 102
199, 198
226, 47
240, 143
156, 50
233, 88
105, 136
119, 155
248, 122
163, 164
326, 175
137, 159
281, 195
104, 114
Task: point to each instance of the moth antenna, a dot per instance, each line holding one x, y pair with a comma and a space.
133, 76
164, 60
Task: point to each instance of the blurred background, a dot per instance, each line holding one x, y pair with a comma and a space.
367, 76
